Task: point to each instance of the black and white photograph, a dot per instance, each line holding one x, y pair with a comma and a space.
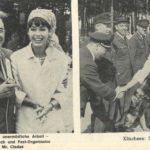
36, 66
114, 39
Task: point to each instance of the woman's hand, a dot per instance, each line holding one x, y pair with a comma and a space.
28, 102
43, 111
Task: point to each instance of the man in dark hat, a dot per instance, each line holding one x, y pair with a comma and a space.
120, 52
101, 23
138, 45
90, 84
122, 62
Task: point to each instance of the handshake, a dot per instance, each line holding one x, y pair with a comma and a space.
120, 92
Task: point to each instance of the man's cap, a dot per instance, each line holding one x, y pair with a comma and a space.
104, 18
143, 23
104, 39
121, 19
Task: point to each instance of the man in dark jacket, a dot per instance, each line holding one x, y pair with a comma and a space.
121, 53
122, 61
7, 91
139, 46
90, 83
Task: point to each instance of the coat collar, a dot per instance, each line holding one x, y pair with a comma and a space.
90, 49
139, 36
29, 53
2, 54
52, 53
120, 38
2, 57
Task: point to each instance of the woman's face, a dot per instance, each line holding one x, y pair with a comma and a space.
39, 36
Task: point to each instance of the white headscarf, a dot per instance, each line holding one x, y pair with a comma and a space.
50, 18
45, 14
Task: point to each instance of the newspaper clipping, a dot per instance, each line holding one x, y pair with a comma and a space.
74, 74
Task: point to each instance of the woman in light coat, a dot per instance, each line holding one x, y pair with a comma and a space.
40, 69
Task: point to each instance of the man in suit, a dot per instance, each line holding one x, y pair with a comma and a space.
122, 61
121, 53
7, 91
138, 45
90, 83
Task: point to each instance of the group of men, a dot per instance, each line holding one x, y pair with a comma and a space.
127, 54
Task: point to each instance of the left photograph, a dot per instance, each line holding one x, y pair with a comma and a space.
36, 67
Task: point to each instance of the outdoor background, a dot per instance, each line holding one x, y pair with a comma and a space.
132, 9
18, 11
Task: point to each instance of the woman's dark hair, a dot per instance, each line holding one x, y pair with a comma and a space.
37, 21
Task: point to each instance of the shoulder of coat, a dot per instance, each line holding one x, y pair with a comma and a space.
7, 52
20, 53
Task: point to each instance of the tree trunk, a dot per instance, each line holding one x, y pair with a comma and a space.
112, 15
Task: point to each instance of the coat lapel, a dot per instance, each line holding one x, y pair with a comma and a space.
120, 39
49, 76
1, 76
2, 62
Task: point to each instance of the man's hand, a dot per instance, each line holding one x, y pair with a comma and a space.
7, 89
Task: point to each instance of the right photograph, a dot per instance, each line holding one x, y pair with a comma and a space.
114, 39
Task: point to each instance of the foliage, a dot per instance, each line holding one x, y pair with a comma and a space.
122, 6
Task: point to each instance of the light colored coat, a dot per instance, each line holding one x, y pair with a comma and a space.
40, 82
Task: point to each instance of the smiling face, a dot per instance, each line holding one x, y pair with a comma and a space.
38, 36
39, 33
122, 28
142, 30
2, 33
104, 28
